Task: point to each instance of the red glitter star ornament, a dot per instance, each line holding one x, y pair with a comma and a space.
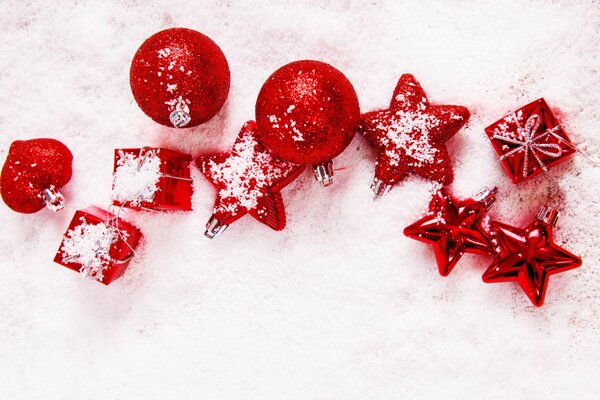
248, 180
454, 227
410, 136
529, 256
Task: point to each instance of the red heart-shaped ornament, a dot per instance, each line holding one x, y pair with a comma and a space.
33, 173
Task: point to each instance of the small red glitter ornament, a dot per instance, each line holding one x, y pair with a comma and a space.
529, 255
152, 178
454, 227
98, 244
410, 136
307, 112
179, 77
33, 173
529, 141
248, 180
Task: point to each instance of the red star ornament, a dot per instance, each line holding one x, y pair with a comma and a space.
410, 136
454, 227
248, 180
529, 256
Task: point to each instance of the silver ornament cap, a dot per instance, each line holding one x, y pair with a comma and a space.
324, 173
214, 228
549, 215
379, 188
53, 198
487, 197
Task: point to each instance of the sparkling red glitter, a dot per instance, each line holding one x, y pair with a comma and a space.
32, 166
307, 112
179, 67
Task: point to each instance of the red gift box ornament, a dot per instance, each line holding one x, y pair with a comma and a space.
529, 141
152, 179
98, 244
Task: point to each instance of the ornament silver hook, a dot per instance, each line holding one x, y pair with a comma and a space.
214, 228
324, 173
549, 215
487, 197
180, 116
379, 188
53, 198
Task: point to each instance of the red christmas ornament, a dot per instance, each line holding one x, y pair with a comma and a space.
179, 77
454, 227
307, 113
33, 173
410, 136
529, 141
98, 244
529, 255
152, 179
248, 180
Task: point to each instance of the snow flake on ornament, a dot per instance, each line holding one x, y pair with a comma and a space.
89, 245
164, 53
178, 103
136, 177
98, 244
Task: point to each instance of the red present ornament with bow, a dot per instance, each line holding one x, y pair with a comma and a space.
152, 179
98, 244
529, 141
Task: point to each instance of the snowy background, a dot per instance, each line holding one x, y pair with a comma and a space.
340, 305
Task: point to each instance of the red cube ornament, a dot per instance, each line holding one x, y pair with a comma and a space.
529, 141
152, 179
98, 244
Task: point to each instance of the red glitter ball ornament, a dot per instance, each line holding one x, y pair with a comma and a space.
179, 77
529, 255
454, 227
248, 181
410, 136
33, 173
307, 113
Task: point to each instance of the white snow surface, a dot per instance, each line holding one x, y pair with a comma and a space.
339, 305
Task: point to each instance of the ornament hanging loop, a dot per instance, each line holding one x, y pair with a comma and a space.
53, 198
214, 228
324, 173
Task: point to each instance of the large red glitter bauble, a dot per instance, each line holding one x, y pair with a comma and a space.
179, 69
32, 166
307, 112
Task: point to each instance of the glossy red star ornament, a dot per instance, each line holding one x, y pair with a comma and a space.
529, 255
454, 227
410, 136
248, 181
